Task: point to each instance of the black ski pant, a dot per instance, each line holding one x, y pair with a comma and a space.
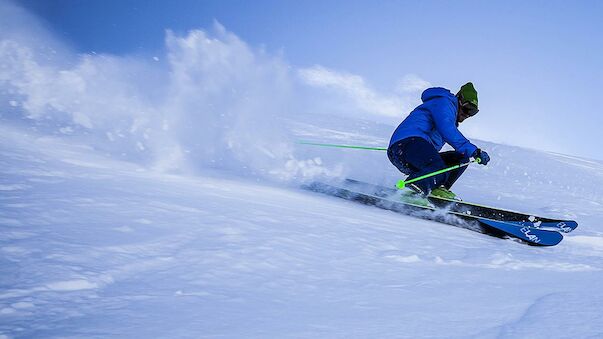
415, 157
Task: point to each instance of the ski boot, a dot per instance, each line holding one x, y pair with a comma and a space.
414, 195
444, 193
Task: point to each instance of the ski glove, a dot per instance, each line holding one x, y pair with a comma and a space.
481, 157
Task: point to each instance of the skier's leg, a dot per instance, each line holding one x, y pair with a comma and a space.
394, 153
452, 158
419, 157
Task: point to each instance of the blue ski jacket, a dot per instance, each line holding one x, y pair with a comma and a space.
435, 121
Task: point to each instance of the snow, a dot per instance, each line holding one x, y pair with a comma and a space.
96, 247
162, 199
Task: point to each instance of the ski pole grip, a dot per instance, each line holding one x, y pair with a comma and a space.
477, 156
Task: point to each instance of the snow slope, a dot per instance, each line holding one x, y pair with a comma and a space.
94, 247
158, 196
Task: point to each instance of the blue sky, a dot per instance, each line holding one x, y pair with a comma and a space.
537, 65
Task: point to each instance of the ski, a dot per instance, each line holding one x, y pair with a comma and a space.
374, 195
518, 218
532, 235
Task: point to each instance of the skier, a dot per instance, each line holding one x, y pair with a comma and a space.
414, 146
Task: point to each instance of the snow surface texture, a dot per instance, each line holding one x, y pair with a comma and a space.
93, 247
160, 197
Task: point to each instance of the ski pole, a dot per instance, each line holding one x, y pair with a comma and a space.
342, 146
401, 183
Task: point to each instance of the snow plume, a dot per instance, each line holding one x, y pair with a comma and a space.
212, 102
224, 102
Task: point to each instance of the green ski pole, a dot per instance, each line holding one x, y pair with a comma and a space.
401, 184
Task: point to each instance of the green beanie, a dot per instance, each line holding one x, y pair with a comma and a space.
467, 94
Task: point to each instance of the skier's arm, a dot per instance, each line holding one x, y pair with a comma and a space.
444, 117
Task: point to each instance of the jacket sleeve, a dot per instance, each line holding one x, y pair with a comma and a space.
444, 117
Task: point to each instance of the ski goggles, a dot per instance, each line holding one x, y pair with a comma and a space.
469, 109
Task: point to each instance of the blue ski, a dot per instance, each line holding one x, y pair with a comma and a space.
564, 226
529, 234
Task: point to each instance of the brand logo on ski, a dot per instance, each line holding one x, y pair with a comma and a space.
530, 236
563, 227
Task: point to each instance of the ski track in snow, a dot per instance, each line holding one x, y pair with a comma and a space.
93, 247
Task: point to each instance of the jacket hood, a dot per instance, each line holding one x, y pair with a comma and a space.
435, 92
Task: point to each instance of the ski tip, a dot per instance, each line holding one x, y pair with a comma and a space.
567, 226
531, 235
